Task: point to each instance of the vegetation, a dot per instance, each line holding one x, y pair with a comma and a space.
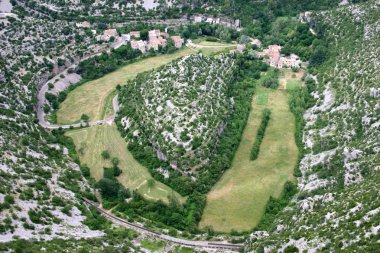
163, 112
260, 134
238, 200
91, 142
92, 96
329, 168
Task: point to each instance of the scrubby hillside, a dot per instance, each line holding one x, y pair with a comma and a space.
38, 181
179, 110
338, 205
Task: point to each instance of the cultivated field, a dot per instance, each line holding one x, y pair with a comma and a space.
289, 79
238, 200
90, 142
94, 98
91, 98
213, 43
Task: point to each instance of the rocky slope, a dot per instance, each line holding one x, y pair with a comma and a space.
38, 180
179, 109
338, 203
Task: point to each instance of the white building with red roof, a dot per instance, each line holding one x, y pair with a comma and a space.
178, 41
139, 45
156, 42
135, 34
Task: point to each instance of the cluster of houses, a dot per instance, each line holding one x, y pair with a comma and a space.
156, 39
272, 55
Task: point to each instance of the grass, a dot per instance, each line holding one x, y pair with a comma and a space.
289, 79
291, 84
90, 142
94, 98
261, 96
182, 249
214, 43
152, 246
91, 97
107, 110
238, 200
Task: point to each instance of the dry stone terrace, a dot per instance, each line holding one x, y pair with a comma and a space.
180, 109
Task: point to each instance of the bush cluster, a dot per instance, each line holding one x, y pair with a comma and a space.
260, 134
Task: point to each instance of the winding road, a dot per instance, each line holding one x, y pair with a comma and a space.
181, 241
41, 99
45, 124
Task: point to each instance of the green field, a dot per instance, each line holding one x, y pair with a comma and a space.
153, 246
213, 43
90, 142
262, 96
291, 84
91, 97
238, 200
94, 98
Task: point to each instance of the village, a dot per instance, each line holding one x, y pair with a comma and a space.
156, 39
272, 55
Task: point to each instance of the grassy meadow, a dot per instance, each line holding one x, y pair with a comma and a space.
93, 97
238, 200
91, 141
289, 79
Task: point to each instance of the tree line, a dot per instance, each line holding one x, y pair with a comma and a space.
260, 134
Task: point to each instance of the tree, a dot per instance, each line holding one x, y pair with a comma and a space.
115, 161
106, 155
84, 117
270, 82
318, 55
108, 187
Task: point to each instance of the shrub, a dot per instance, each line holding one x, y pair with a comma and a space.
271, 82
106, 155
260, 134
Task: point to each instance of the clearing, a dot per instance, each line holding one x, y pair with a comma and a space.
91, 141
289, 79
91, 98
238, 200
94, 98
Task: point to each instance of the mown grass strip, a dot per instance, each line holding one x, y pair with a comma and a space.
260, 134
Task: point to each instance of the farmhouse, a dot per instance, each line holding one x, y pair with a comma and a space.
135, 34
273, 52
139, 45
275, 60
178, 41
155, 43
107, 34
291, 61
154, 34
